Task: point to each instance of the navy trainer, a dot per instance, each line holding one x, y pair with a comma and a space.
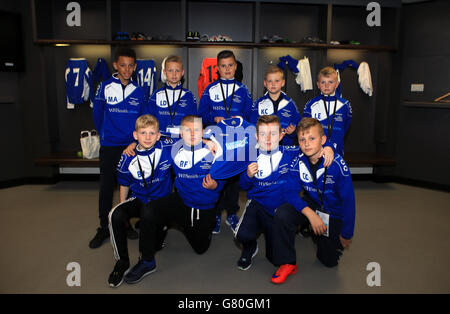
140, 270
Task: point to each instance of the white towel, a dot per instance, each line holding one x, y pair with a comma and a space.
364, 78
163, 76
304, 75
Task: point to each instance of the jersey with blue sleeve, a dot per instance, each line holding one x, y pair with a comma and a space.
116, 108
338, 197
329, 108
146, 76
267, 187
287, 112
238, 101
78, 78
236, 146
191, 165
101, 72
155, 164
170, 105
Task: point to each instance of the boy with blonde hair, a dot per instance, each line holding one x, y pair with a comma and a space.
333, 112
172, 102
276, 102
147, 175
191, 204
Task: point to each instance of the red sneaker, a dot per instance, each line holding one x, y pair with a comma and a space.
283, 272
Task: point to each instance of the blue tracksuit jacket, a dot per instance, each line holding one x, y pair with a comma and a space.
322, 108
212, 102
287, 112
268, 185
116, 108
181, 105
191, 165
155, 163
339, 196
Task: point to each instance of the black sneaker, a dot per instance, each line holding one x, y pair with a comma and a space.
101, 235
131, 233
190, 36
139, 271
305, 231
196, 36
120, 269
245, 262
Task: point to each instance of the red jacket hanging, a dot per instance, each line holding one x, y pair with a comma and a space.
208, 74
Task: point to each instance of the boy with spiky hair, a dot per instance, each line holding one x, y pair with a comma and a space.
223, 99
331, 207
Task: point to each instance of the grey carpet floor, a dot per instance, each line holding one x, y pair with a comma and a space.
405, 230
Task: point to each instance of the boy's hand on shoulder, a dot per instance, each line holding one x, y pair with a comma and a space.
290, 129
209, 183
129, 151
345, 242
218, 119
252, 169
328, 156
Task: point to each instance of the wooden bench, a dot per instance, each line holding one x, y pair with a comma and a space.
70, 163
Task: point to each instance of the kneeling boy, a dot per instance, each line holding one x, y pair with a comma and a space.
331, 212
265, 181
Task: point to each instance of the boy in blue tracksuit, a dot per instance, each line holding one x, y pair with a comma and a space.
223, 99
331, 211
275, 102
171, 103
147, 175
118, 103
226, 97
265, 180
333, 112
191, 205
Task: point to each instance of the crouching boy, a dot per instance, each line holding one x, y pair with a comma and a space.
331, 211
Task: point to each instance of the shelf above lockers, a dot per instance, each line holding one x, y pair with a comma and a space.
246, 22
203, 44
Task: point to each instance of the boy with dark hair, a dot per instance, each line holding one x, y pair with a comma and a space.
222, 99
330, 211
226, 97
117, 104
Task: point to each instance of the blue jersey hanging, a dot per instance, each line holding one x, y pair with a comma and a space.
146, 76
78, 78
